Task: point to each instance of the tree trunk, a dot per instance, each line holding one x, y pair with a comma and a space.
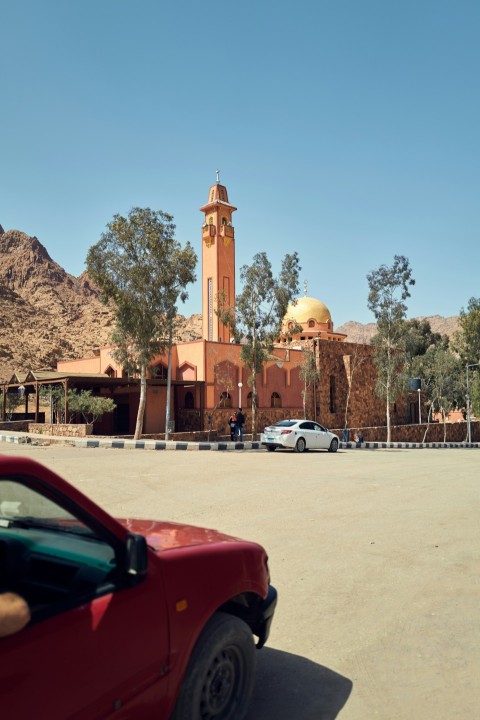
142, 403
428, 422
254, 388
389, 430
169, 383
254, 408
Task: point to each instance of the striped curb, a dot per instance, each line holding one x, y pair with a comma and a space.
115, 443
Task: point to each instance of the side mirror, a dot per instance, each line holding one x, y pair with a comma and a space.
137, 558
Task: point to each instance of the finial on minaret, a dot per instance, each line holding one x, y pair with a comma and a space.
218, 176
305, 287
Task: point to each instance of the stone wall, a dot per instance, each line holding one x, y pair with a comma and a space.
455, 432
342, 361
201, 436
15, 425
68, 430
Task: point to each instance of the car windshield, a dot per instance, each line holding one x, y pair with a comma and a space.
285, 423
22, 506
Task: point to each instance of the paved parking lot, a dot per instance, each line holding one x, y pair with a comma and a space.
375, 556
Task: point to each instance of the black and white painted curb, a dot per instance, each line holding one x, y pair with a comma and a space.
115, 443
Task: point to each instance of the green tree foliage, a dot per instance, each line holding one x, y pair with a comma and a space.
420, 337
90, 407
142, 269
475, 394
467, 339
259, 310
54, 394
442, 380
388, 290
12, 402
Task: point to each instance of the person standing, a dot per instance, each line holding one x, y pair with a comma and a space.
240, 424
232, 423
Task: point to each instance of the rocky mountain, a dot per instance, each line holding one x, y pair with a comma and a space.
47, 314
363, 333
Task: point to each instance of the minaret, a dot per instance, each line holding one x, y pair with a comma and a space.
218, 260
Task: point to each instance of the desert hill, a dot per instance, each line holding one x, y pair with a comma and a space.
47, 314
359, 333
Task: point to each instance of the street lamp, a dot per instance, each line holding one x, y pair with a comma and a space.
240, 385
469, 432
419, 408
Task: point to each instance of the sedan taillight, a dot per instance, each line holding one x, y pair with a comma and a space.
285, 432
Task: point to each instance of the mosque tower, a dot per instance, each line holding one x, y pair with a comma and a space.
218, 260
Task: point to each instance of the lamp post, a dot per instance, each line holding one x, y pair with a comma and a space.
240, 385
469, 432
419, 407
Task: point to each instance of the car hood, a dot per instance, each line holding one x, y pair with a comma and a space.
168, 535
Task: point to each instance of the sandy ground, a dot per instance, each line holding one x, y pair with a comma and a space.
375, 555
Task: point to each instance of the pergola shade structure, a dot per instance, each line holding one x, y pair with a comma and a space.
29, 383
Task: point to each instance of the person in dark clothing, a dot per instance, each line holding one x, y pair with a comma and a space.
232, 423
239, 425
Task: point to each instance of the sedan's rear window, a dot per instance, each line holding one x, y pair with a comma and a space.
285, 423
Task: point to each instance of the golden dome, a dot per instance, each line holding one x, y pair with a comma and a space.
308, 308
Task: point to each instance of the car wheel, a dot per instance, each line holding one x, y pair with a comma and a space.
271, 448
301, 445
333, 445
219, 679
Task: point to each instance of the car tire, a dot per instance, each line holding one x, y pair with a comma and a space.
271, 448
300, 445
220, 675
333, 445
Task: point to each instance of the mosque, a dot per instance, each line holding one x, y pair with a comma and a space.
208, 377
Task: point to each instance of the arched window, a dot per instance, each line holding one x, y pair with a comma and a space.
110, 372
225, 400
275, 400
311, 323
249, 399
189, 401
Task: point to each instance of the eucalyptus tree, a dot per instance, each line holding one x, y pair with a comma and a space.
467, 339
388, 290
142, 270
256, 320
442, 379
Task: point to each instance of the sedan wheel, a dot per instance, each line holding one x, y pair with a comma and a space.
333, 445
301, 445
271, 448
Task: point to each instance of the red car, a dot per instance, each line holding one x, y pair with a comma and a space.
131, 619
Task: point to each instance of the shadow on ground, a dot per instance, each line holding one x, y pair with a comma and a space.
289, 687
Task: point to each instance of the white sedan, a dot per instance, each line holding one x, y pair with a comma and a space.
300, 435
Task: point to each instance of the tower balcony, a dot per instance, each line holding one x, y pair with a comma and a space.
227, 231
209, 231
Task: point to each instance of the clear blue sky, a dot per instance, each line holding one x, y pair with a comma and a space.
348, 130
